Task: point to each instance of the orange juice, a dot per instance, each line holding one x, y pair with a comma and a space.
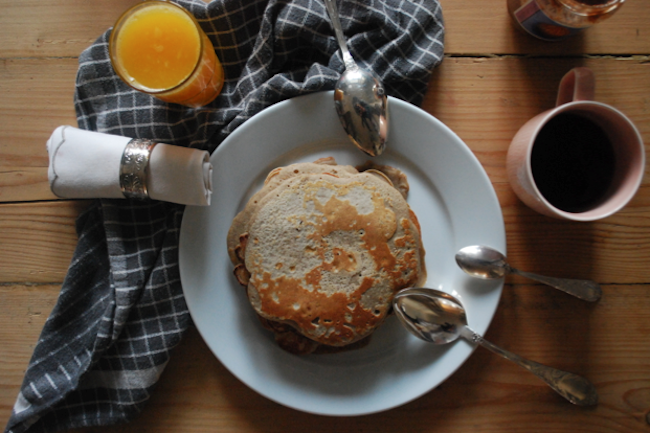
158, 48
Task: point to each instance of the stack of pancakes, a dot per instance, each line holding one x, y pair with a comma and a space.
323, 248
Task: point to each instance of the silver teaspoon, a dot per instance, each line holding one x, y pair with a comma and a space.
359, 98
440, 318
484, 262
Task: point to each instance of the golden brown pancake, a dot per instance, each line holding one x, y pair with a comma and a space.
323, 248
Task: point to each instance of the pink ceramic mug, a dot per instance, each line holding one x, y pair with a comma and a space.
582, 160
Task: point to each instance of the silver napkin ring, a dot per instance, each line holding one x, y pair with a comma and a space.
134, 168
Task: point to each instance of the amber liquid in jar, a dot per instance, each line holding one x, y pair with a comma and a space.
555, 20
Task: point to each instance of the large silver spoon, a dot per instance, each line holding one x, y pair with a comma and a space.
440, 318
484, 262
359, 98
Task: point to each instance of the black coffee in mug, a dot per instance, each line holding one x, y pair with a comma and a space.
573, 162
581, 160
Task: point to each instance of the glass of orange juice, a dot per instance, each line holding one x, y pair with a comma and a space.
158, 47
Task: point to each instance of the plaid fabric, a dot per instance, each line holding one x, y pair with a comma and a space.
121, 308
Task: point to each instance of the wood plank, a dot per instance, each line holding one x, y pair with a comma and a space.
48, 28
498, 94
611, 251
197, 393
24, 312
37, 97
32, 28
37, 240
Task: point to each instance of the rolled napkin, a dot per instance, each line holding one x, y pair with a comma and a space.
87, 164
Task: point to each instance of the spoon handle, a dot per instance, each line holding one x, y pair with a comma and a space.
333, 12
584, 289
574, 388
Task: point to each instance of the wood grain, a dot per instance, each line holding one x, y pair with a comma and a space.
37, 241
20, 326
497, 94
48, 28
37, 96
196, 393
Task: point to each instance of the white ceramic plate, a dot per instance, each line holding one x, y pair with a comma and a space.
454, 201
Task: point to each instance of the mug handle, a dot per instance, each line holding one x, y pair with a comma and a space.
578, 84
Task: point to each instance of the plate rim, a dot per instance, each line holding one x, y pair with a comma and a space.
314, 99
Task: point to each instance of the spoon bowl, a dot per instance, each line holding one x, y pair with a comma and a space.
359, 98
484, 262
440, 318
431, 315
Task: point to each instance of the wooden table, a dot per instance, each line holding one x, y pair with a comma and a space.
493, 78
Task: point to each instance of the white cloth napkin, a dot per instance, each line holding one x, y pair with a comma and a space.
86, 164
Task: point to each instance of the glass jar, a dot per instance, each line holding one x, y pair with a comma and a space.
555, 20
